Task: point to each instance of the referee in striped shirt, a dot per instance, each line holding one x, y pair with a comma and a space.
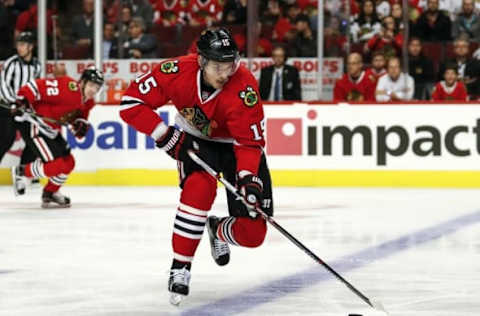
16, 72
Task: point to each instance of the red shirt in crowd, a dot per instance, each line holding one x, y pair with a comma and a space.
205, 12
170, 13
362, 89
28, 20
457, 92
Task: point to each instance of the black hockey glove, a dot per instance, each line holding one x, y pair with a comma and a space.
176, 144
80, 127
251, 188
20, 106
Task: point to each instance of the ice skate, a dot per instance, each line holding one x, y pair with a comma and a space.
19, 180
54, 200
178, 285
220, 249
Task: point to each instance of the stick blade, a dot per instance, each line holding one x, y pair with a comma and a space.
378, 306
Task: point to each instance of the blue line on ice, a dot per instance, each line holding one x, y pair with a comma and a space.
251, 298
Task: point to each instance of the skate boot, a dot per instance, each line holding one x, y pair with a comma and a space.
219, 248
19, 180
178, 285
54, 200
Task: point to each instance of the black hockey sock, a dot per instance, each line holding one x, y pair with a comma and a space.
179, 264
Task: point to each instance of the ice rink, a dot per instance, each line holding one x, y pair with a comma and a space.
416, 251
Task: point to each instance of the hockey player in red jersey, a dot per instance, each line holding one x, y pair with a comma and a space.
68, 102
221, 117
451, 88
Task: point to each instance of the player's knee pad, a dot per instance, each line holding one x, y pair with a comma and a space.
254, 231
68, 163
199, 190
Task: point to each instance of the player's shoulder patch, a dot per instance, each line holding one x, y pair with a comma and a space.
72, 86
249, 96
169, 67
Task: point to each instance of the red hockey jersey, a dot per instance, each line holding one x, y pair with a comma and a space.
55, 98
202, 10
169, 13
362, 89
233, 113
457, 92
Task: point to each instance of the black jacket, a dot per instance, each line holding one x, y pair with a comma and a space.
291, 86
441, 30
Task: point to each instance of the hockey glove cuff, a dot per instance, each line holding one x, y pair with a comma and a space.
176, 143
251, 188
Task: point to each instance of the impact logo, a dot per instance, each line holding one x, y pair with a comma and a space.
169, 67
249, 96
285, 136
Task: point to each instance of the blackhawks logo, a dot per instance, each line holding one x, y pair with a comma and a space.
169, 67
198, 119
249, 96
72, 85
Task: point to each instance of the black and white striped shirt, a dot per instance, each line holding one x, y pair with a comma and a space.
15, 74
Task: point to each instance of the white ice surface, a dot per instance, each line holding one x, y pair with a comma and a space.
109, 255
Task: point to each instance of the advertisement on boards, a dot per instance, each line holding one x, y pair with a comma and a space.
332, 137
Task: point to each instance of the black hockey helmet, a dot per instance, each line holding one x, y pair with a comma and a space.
217, 44
26, 37
94, 75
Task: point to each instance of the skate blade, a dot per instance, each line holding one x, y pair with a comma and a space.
49, 205
176, 299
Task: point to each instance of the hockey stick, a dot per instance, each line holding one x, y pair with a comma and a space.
35, 115
373, 303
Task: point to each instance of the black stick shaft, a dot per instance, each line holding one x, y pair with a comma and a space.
282, 230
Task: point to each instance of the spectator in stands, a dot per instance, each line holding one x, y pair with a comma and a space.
334, 36
235, 12
264, 45
389, 39
308, 7
110, 42
450, 7
284, 30
124, 24
397, 15
82, 25
170, 12
7, 20
383, 8
356, 84
420, 68
304, 44
467, 22
28, 21
433, 25
378, 65
143, 9
205, 12
367, 24
139, 44
395, 85
450, 88
272, 13
468, 68
280, 81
